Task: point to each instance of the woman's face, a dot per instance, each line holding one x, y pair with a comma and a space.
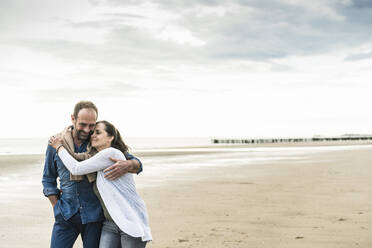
99, 139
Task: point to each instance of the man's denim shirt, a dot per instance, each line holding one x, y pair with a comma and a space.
73, 196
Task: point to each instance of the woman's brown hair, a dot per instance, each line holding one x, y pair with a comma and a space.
117, 142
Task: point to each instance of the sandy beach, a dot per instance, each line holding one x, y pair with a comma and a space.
321, 199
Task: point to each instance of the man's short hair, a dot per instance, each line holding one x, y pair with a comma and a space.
82, 105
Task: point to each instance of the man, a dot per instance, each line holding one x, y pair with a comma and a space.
76, 208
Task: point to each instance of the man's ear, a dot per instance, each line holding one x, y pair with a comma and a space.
73, 119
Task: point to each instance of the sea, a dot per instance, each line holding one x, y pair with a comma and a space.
19, 146
194, 152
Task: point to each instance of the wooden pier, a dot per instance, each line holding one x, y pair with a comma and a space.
290, 140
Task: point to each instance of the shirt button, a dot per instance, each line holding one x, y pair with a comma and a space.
81, 207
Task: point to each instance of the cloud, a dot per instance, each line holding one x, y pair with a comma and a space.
362, 3
359, 56
106, 20
207, 31
257, 30
107, 90
123, 45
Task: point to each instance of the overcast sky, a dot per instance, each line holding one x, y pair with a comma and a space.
188, 68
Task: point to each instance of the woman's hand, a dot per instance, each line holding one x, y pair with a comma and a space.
55, 142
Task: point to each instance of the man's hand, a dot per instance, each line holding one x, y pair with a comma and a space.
55, 141
120, 168
53, 199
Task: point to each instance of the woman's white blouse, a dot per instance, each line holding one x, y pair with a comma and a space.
121, 199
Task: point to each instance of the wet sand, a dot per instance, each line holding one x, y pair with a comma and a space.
324, 200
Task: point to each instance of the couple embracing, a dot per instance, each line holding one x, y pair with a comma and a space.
96, 197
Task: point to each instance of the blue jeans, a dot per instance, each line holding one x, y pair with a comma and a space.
113, 237
65, 232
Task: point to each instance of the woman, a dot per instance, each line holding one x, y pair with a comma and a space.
126, 223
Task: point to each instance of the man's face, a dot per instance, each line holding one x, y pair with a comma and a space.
84, 123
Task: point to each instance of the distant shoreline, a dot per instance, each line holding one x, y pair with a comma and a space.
279, 144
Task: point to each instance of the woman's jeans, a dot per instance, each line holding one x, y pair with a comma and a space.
113, 237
